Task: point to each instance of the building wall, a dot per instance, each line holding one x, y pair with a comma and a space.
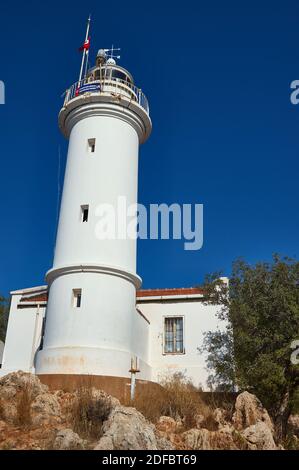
141, 346
145, 335
94, 179
22, 338
1, 351
198, 318
92, 339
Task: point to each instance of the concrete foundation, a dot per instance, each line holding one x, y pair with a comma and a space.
118, 387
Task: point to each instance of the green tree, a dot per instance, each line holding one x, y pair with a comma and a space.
3, 317
260, 306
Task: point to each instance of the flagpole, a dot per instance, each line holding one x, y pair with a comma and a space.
84, 50
86, 63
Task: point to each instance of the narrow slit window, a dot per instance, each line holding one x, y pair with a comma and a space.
77, 297
173, 335
91, 145
84, 213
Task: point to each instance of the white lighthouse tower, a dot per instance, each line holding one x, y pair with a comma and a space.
91, 309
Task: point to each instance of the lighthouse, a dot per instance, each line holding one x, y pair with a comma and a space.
91, 322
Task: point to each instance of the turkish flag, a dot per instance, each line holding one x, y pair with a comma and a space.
85, 46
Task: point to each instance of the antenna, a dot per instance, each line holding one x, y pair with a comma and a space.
110, 52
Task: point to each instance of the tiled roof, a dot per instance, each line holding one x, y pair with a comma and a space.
43, 297
165, 292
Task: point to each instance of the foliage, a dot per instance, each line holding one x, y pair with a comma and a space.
290, 442
261, 309
295, 402
220, 360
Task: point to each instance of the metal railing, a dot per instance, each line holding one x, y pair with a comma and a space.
114, 87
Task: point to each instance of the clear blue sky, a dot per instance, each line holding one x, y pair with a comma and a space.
225, 134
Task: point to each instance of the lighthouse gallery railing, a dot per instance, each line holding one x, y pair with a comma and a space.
115, 87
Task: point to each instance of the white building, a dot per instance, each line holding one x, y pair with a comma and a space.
168, 328
92, 326
1, 352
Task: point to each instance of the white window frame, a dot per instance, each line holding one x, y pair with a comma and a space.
175, 353
75, 293
83, 207
91, 145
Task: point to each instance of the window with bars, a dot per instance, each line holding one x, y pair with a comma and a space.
173, 335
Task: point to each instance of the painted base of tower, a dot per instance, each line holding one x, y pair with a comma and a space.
88, 361
118, 387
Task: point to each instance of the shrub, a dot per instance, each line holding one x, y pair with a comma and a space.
88, 413
176, 398
290, 442
239, 440
295, 402
149, 401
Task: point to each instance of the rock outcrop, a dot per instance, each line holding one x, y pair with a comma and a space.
67, 439
251, 428
168, 425
15, 382
203, 439
127, 429
259, 437
45, 407
53, 417
249, 411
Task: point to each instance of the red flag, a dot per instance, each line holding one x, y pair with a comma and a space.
85, 46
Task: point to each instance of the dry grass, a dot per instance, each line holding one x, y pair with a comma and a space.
239, 440
23, 407
176, 398
221, 400
2, 413
88, 413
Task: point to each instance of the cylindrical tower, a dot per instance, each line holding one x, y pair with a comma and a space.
92, 284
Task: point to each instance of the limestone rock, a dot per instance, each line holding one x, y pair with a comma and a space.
14, 382
101, 395
45, 407
46, 404
164, 444
167, 431
259, 437
8, 411
166, 424
105, 443
67, 439
127, 429
3, 425
196, 439
202, 439
249, 411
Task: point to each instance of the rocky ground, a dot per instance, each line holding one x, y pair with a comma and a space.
32, 417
